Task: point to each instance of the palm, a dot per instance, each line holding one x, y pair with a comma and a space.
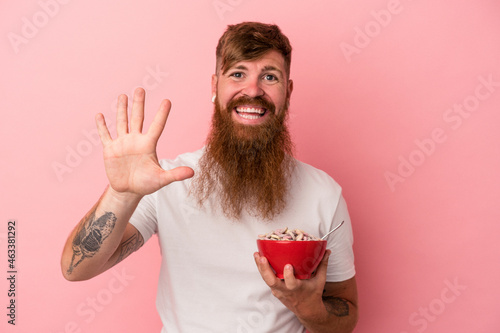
130, 159
131, 164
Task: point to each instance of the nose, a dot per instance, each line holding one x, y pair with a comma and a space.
252, 88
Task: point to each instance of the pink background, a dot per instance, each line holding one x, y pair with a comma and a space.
379, 86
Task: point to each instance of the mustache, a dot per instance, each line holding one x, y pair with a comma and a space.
256, 101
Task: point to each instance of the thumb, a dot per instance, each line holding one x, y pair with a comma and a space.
176, 174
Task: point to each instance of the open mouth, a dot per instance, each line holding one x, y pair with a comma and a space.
250, 112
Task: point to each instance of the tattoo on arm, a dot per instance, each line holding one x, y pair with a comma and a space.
89, 238
336, 306
131, 244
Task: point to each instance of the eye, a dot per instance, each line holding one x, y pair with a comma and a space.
270, 77
237, 75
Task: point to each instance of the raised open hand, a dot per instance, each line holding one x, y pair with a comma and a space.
130, 159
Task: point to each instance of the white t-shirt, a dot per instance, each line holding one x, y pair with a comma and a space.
208, 279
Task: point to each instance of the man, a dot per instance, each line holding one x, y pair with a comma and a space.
245, 183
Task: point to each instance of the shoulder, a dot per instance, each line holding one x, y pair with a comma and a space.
309, 177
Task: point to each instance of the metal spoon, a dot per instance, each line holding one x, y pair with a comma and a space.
329, 232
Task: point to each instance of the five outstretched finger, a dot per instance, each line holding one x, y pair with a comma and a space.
137, 114
102, 129
160, 119
121, 115
179, 173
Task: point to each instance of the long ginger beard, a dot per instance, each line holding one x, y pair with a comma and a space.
247, 167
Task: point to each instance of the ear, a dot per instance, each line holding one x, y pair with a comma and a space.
290, 88
214, 85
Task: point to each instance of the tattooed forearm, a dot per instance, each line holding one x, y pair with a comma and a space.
336, 306
89, 238
131, 244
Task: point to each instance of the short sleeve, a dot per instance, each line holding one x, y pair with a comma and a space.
144, 217
341, 261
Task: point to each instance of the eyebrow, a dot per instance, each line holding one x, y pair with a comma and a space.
239, 67
272, 68
266, 68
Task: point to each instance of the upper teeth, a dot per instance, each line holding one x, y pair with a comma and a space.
250, 110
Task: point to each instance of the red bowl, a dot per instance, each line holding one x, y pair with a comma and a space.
304, 256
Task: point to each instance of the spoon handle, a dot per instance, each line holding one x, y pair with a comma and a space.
329, 232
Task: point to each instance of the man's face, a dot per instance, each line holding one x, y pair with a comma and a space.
263, 78
248, 159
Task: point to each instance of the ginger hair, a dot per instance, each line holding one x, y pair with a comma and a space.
250, 41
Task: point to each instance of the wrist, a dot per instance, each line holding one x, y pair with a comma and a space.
312, 313
123, 197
